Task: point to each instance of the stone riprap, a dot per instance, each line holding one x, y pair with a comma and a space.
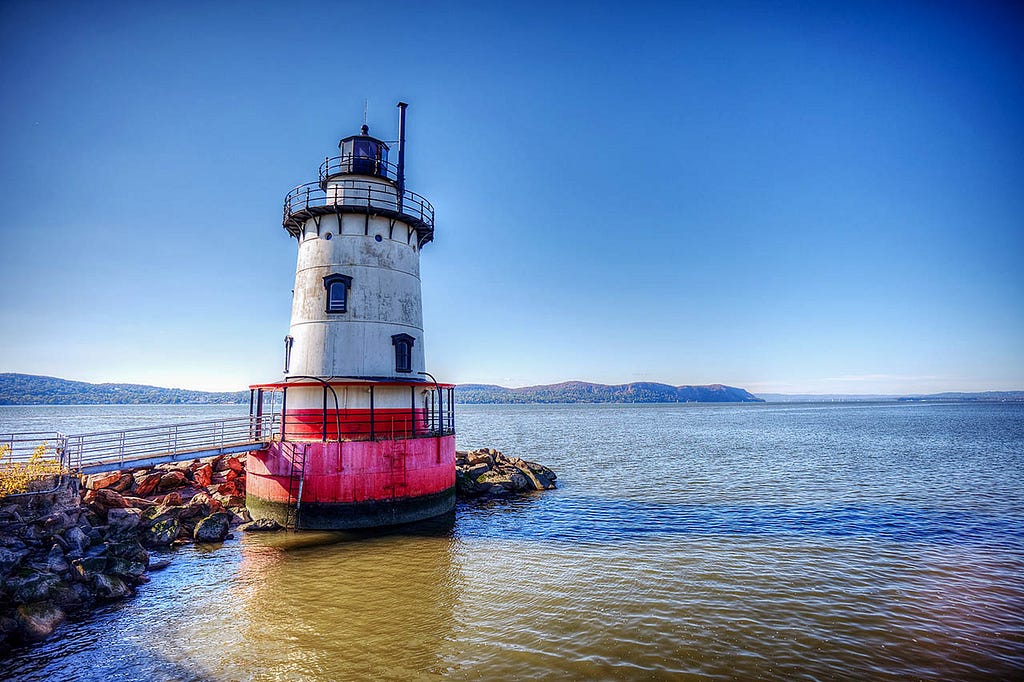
89, 543
490, 473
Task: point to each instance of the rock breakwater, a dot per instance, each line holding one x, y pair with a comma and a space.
94, 540
490, 473
90, 542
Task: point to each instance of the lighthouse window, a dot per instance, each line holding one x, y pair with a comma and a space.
403, 352
337, 287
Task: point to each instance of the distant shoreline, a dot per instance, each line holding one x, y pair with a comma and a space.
30, 389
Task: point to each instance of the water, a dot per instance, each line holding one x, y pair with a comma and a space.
847, 541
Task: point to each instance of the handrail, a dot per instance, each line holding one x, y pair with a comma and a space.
353, 164
312, 198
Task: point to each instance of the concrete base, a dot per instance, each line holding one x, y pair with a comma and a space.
349, 515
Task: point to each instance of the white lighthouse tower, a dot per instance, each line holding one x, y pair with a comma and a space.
366, 439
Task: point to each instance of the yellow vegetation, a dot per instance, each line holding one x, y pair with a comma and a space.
16, 476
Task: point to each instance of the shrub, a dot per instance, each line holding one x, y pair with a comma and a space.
16, 477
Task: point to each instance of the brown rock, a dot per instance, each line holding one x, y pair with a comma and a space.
172, 500
236, 464
479, 457
205, 500
100, 481
147, 484
228, 488
108, 499
172, 480
40, 619
139, 502
203, 475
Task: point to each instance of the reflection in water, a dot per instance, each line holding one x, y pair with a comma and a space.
333, 606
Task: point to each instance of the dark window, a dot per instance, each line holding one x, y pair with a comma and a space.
403, 352
288, 341
337, 287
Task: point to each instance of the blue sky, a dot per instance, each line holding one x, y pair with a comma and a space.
788, 197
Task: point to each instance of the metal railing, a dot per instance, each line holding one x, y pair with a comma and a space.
313, 198
428, 415
351, 164
76, 451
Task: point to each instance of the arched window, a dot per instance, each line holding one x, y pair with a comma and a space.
403, 352
337, 287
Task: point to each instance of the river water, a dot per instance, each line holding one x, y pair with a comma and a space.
781, 541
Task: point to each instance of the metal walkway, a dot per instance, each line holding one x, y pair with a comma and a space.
93, 453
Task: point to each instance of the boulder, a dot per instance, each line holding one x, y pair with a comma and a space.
105, 480
206, 500
110, 586
229, 488
171, 500
40, 619
55, 561
146, 484
480, 457
34, 586
203, 475
108, 499
261, 526
76, 539
213, 528
123, 521
172, 480
86, 567
161, 533
235, 464
139, 502
10, 559
476, 470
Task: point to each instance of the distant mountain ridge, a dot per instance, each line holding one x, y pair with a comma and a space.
585, 392
31, 389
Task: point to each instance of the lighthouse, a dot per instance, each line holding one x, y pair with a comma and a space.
363, 435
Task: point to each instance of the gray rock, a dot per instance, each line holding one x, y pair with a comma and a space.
477, 470
10, 559
36, 586
123, 521
55, 561
161, 533
76, 539
261, 525
110, 586
214, 528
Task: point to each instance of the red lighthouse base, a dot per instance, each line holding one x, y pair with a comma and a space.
353, 484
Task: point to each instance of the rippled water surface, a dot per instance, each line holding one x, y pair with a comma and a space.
851, 541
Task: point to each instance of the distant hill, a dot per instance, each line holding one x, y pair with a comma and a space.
31, 389
583, 392
980, 397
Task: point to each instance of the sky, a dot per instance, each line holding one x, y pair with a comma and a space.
801, 197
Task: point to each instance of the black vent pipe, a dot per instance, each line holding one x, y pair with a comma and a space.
401, 150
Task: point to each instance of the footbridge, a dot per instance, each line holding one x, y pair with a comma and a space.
101, 451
